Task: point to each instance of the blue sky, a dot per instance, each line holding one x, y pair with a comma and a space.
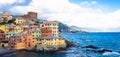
95, 15
111, 5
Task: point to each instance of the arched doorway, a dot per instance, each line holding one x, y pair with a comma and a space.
3, 45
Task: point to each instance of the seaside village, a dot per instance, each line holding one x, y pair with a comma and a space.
24, 32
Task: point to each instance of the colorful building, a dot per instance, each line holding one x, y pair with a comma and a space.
35, 41
28, 40
26, 33
50, 42
36, 33
50, 25
5, 17
30, 15
2, 35
46, 32
20, 46
4, 43
18, 28
19, 20
11, 33
11, 27
19, 42
4, 28
13, 40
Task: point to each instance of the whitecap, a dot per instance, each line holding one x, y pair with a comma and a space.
111, 53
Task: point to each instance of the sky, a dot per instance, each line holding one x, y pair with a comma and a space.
91, 15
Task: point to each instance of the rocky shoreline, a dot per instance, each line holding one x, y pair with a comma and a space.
68, 45
93, 48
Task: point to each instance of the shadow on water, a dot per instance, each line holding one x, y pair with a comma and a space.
55, 54
21, 54
35, 54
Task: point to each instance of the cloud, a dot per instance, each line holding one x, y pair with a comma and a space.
5, 2
88, 4
72, 14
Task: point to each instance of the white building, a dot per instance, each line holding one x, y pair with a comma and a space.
52, 25
5, 16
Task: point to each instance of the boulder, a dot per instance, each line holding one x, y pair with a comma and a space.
103, 51
90, 46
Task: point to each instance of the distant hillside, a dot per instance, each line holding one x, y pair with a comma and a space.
63, 27
15, 16
74, 28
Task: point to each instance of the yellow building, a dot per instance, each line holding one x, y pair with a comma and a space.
33, 33
18, 29
20, 45
19, 20
4, 28
35, 41
25, 25
52, 42
4, 43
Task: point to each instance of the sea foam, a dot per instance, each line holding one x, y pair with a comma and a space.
111, 53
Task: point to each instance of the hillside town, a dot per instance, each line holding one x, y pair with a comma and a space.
23, 32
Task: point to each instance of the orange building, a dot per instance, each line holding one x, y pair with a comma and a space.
46, 32
20, 42
27, 39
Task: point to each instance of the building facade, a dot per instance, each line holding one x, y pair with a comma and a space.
2, 35
28, 40
46, 32
5, 17
13, 40
19, 20
30, 15
4, 28
50, 25
50, 43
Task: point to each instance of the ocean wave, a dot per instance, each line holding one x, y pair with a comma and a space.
111, 53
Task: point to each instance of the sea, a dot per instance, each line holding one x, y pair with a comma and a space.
102, 40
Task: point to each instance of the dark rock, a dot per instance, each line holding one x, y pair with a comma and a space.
90, 46
69, 44
103, 51
118, 51
99, 51
88, 50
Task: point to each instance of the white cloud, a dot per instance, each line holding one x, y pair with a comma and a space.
72, 14
4, 2
86, 3
94, 2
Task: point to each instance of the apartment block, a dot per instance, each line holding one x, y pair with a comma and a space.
50, 25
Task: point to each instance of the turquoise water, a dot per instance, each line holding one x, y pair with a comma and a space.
106, 40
